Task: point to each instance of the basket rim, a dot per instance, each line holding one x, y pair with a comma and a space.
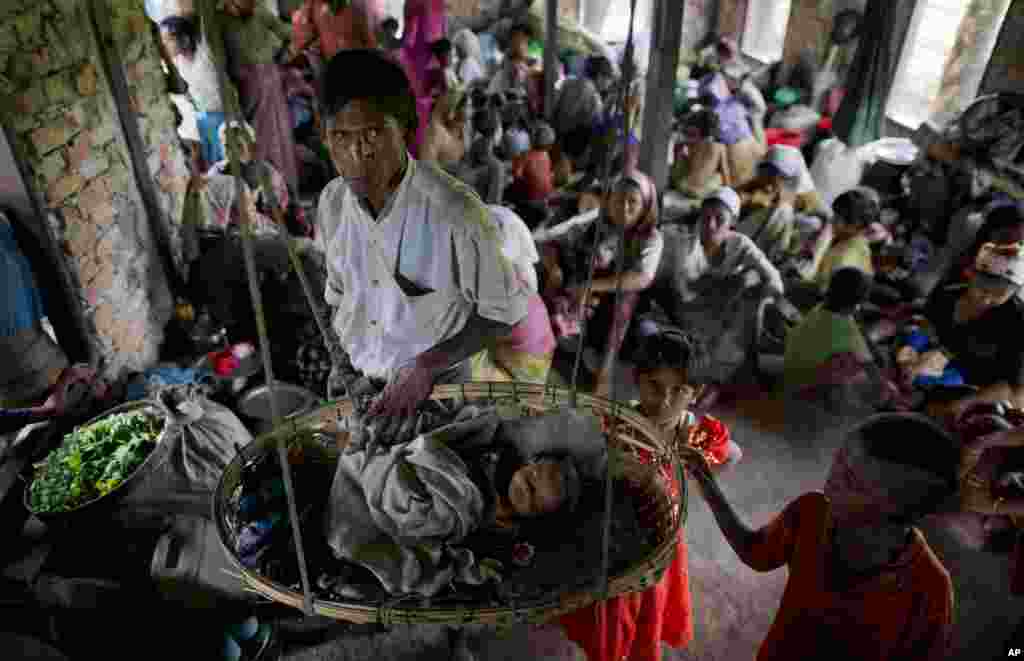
654, 560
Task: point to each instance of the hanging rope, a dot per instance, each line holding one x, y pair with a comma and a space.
232, 109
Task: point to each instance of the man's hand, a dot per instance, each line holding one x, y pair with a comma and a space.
63, 396
409, 387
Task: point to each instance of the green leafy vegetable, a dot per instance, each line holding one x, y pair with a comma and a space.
93, 461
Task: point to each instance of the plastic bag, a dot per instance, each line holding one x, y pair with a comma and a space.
838, 168
203, 437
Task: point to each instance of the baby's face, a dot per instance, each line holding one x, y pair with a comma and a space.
537, 489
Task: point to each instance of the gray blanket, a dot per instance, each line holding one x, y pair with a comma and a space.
402, 512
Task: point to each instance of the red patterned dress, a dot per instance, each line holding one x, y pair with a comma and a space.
633, 626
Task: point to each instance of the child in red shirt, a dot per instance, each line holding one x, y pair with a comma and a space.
863, 583
634, 625
533, 178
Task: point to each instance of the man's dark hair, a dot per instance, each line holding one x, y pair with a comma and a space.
441, 47
858, 207
389, 23
368, 75
668, 347
184, 31
848, 288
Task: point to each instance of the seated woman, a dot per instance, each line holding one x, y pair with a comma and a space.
636, 624
404, 512
734, 132
703, 167
525, 354
632, 208
711, 283
769, 218
827, 354
262, 180
979, 323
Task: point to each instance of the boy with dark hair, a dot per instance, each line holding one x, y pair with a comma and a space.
828, 343
863, 582
855, 211
703, 167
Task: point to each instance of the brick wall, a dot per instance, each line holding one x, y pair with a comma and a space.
66, 131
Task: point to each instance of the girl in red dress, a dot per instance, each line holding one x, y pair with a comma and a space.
633, 626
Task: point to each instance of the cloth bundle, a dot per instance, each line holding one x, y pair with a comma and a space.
402, 513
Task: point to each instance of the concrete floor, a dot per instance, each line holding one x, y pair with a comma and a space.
787, 451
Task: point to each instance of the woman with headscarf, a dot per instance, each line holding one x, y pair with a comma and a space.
190, 53
863, 582
711, 282
525, 354
734, 130
632, 209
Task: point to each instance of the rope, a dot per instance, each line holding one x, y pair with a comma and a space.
232, 108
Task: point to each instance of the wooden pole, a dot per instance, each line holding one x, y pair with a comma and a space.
550, 57
666, 38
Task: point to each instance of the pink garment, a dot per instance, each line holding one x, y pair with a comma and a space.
425, 22
336, 31
532, 335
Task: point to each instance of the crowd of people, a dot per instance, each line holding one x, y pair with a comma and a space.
465, 237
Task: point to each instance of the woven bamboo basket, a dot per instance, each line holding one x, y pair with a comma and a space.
631, 432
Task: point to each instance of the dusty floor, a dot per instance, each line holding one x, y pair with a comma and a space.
786, 452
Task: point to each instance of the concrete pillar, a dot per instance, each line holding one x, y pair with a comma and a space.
550, 57
666, 37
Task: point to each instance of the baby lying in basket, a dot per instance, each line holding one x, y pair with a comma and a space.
403, 511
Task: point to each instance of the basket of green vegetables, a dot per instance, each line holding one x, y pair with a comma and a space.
98, 463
